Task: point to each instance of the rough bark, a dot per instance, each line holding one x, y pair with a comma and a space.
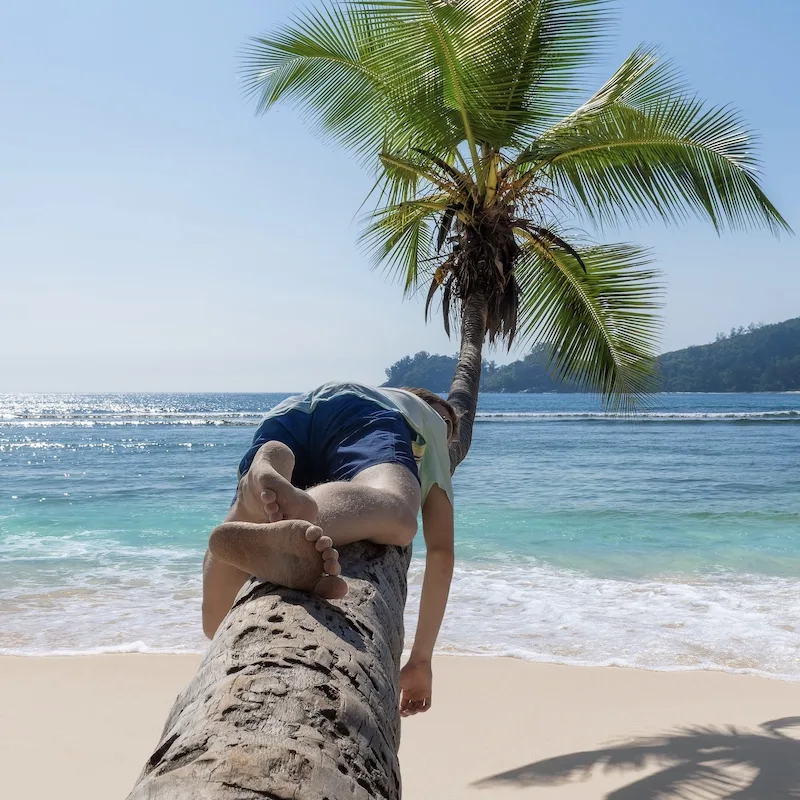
296, 698
467, 378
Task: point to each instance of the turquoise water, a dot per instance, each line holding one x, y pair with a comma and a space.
670, 541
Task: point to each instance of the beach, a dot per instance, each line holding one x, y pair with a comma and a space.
80, 728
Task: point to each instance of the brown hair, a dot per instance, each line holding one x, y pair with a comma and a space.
430, 398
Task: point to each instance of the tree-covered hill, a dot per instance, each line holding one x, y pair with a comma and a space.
763, 358
529, 374
759, 358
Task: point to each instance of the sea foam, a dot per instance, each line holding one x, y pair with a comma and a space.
730, 622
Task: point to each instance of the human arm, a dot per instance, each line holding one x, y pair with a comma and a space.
438, 529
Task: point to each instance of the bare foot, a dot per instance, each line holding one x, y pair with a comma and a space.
274, 492
291, 553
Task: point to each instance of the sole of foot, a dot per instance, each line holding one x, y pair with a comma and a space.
281, 500
290, 553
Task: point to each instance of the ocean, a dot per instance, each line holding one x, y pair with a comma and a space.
669, 541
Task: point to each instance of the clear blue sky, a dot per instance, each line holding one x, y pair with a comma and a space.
156, 235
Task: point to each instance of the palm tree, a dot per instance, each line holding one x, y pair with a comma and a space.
485, 169
487, 166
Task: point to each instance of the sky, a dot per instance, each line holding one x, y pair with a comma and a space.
157, 235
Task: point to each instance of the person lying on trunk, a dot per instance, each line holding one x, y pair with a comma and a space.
341, 464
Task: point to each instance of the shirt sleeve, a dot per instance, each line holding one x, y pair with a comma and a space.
441, 468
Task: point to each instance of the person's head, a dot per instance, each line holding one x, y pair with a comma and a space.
444, 409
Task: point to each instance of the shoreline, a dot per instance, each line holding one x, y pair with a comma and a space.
499, 727
449, 654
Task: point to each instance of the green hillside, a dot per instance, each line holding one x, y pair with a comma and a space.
529, 374
760, 358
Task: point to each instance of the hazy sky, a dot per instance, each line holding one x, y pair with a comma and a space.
156, 235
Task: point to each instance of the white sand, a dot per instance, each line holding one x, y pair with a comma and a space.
81, 728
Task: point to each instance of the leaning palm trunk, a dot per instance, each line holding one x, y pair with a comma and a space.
296, 698
466, 380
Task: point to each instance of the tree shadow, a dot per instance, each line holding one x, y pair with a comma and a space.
693, 763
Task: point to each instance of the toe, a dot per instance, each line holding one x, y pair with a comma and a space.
276, 517
324, 543
330, 554
333, 567
268, 496
313, 534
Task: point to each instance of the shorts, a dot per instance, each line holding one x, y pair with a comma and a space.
338, 439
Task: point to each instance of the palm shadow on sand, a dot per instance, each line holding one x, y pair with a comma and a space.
692, 763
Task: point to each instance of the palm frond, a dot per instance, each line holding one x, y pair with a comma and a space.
463, 180
490, 71
407, 173
320, 63
527, 63
600, 325
444, 226
419, 61
547, 237
447, 303
400, 239
507, 312
432, 289
645, 79
406, 178
643, 149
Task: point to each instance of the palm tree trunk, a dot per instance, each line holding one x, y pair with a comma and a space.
296, 698
467, 378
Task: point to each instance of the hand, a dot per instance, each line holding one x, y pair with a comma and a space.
416, 679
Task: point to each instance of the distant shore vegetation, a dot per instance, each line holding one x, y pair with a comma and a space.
756, 358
